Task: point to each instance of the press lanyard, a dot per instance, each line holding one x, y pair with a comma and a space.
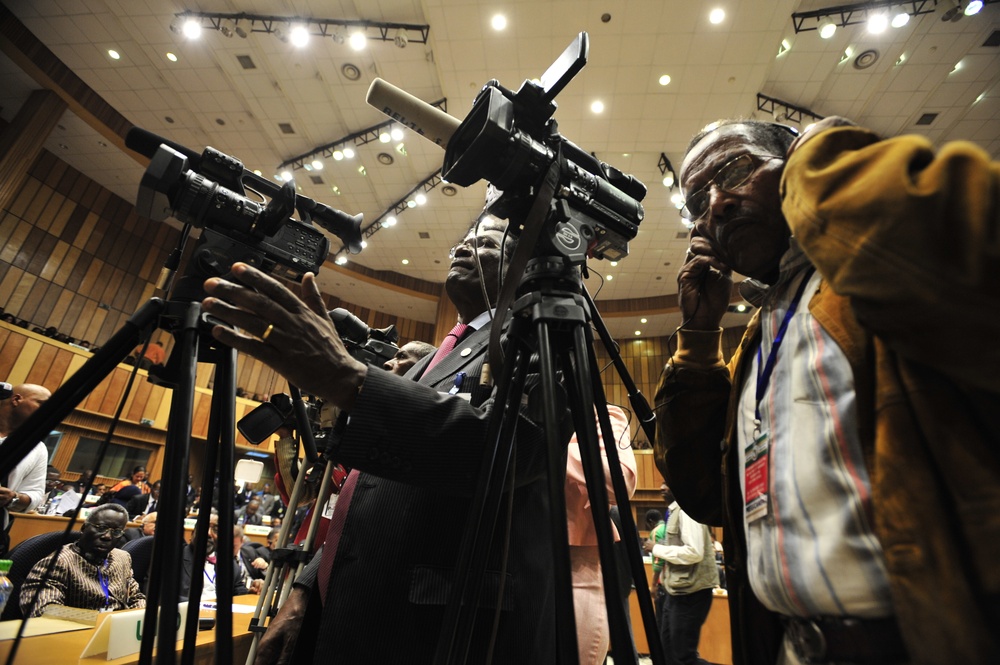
105, 585
764, 372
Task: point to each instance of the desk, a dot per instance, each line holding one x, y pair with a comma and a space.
65, 648
26, 525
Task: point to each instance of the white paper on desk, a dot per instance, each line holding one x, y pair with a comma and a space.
237, 609
120, 633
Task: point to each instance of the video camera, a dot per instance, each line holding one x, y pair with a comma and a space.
372, 346
511, 140
208, 191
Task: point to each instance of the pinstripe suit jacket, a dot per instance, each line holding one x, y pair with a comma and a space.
420, 452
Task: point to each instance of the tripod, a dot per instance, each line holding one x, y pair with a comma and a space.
182, 317
550, 319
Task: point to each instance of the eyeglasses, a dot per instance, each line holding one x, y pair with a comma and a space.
732, 175
101, 530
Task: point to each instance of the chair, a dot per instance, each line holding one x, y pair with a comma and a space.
141, 551
23, 558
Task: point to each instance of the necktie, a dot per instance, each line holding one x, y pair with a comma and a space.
448, 345
333, 532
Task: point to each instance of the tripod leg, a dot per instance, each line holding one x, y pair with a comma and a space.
225, 394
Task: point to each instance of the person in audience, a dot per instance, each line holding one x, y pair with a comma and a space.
146, 528
249, 514
857, 417
90, 573
407, 356
24, 488
143, 504
137, 478
242, 584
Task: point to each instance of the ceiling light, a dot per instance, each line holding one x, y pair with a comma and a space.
638, 332
900, 19
643, 320
114, 55
411, 204
405, 262
317, 164
401, 39
741, 308
499, 22
609, 277
667, 171
299, 36
341, 260
192, 28
614, 264
364, 244
384, 137
717, 16
973, 7
227, 27
286, 176
597, 106
257, 172
677, 200
176, 25
877, 23
240, 31
665, 79
420, 199
396, 134
827, 28
349, 153
338, 155
358, 41
171, 57
401, 149
362, 170
389, 221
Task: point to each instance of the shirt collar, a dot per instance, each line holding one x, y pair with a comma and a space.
481, 320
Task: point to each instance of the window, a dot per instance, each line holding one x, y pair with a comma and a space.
52, 443
118, 461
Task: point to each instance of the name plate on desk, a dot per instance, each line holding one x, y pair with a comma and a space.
120, 633
256, 530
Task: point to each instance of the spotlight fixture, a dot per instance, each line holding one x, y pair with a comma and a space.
396, 134
242, 24
974, 7
667, 171
878, 23
358, 40
227, 27
401, 39
952, 11
240, 31
176, 25
857, 13
784, 110
299, 36
192, 28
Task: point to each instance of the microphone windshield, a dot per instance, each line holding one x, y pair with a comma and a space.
432, 123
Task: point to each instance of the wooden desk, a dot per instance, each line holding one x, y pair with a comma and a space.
715, 645
65, 648
26, 525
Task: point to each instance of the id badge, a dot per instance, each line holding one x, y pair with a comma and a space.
755, 468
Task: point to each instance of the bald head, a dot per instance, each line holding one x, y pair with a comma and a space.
24, 401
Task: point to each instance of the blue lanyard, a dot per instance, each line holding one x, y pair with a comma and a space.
764, 373
105, 585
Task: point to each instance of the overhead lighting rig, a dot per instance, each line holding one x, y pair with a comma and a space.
783, 110
424, 186
667, 171
359, 138
243, 24
842, 16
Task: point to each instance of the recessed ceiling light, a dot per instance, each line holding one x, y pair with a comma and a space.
610, 277
358, 41
115, 55
171, 57
638, 332
364, 244
499, 22
717, 16
973, 7
341, 260
665, 79
257, 172
597, 106
405, 262
613, 264
286, 176
900, 19
643, 320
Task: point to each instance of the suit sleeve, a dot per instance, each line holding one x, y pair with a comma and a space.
405, 431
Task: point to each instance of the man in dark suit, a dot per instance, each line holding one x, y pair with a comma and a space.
141, 505
249, 514
148, 528
419, 454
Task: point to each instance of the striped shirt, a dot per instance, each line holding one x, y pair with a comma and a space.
75, 582
816, 552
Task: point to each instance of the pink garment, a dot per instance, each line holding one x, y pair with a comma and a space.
592, 634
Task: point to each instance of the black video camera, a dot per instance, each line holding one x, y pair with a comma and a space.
372, 346
208, 191
511, 140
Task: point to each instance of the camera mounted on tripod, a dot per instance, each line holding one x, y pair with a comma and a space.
511, 140
209, 191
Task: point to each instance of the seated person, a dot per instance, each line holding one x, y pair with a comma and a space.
252, 557
242, 585
90, 573
249, 514
148, 528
